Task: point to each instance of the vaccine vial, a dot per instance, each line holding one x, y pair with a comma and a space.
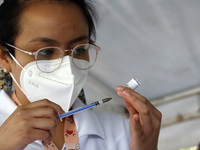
133, 84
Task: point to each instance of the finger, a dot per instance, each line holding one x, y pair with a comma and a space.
43, 118
23, 112
45, 124
140, 103
155, 113
130, 108
137, 101
46, 103
137, 132
42, 135
136, 127
121, 89
142, 108
43, 112
28, 136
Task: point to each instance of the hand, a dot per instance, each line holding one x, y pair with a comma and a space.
145, 120
36, 121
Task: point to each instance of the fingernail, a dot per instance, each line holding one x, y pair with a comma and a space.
127, 93
119, 88
136, 117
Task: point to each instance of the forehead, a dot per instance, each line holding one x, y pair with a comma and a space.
43, 7
53, 19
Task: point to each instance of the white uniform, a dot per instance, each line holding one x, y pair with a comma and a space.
97, 130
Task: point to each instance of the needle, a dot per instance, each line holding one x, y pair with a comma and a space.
132, 84
60, 116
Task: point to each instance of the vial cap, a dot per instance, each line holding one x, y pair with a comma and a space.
133, 84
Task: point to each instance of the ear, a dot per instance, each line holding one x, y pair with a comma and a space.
5, 60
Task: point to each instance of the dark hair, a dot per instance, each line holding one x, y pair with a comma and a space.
11, 11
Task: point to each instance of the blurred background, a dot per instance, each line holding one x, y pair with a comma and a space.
157, 42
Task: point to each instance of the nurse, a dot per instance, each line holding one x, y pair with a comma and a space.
47, 46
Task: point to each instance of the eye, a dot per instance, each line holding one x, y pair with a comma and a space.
80, 50
49, 54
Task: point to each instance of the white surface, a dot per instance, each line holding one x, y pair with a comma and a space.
184, 134
181, 135
155, 41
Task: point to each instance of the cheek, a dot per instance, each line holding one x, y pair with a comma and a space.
22, 59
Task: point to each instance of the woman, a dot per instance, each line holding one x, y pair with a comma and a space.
47, 47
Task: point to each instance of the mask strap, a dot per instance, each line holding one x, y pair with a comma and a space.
12, 74
15, 60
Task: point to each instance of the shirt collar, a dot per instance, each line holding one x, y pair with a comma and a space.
7, 106
87, 122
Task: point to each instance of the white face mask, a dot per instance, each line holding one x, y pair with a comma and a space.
61, 86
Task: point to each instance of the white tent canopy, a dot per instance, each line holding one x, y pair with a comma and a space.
158, 42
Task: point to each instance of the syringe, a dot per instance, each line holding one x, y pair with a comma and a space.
60, 116
132, 84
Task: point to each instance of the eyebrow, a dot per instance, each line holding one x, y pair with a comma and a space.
78, 39
52, 41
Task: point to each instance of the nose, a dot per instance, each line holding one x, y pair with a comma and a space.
68, 52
